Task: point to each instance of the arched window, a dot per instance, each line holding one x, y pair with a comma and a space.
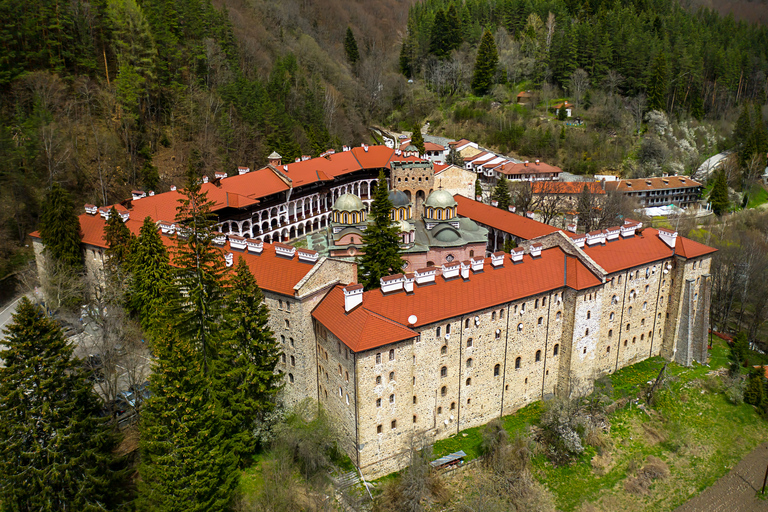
392, 355
558, 315
520, 327
443, 391
378, 379
625, 343
541, 320
645, 306
496, 370
538, 355
293, 361
589, 315
437, 331
619, 279
466, 323
392, 398
439, 410
536, 304
517, 363
642, 321
586, 332
453, 405
629, 311
615, 299
282, 357
642, 337
444, 371
634, 339
469, 381
391, 376
607, 349
378, 402
469, 342
556, 349
610, 333
444, 349
627, 326
290, 377
498, 334
469, 363
501, 314
378, 358
493, 316
448, 329
543, 301
610, 317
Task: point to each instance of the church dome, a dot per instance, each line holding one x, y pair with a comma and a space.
440, 199
411, 147
447, 234
403, 226
348, 203
398, 198
468, 224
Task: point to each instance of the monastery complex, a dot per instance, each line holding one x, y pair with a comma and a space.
468, 333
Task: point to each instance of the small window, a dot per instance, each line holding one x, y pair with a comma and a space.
437, 331
517, 363
453, 406
439, 410
414, 418
392, 398
642, 337
346, 376
282, 339
536, 304
538, 355
629, 311
627, 326
378, 358
619, 279
493, 316
378, 429
589, 315
279, 304
338, 347
541, 320
585, 350
293, 361
608, 349
496, 370
392, 355
339, 370
558, 315
444, 371
414, 398
469, 342
443, 391
444, 349
610, 333
391, 376
586, 332
634, 339
466, 323
448, 329
498, 334
290, 377
378, 379
543, 301
556, 349
642, 321
287, 324
469, 382
341, 391
282, 357
625, 343
611, 316
647, 288
501, 314
469, 363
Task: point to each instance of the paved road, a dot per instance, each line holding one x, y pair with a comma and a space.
736, 491
6, 314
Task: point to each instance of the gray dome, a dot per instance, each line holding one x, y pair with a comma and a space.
348, 203
403, 226
447, 234
468, 224
440, 199
398, 198
411, 147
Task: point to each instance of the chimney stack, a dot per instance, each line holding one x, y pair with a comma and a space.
465, 266
353, 297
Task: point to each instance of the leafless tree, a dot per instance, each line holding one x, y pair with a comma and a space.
550, 27
637, 106
578, 84
522, 196
550, 204
612, 81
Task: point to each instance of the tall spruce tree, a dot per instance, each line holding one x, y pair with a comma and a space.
439, 46
151, 282
718, 197
485, 65
55, 450
118, 239
200, 272
60, 228
381, 240
501, 193
478, 188
187, 459
417, 139
453, 29
244, 371
657, 88
350, 47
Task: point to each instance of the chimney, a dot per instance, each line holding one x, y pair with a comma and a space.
529, 214
465, 266
243, 170
517, 254
167, 228
596, 237
220, 175
497, 259
571, 228
612, 234
275, 159
229, 259
537, 162
297, 160
579, 240
254, 245
628, 230
511, 208
494, 203
451, 270
138, 194
284, 250
425, 275
479, 198
353, 297
477, 263
91, 209
104, 212
536, 250
173, 188
285, 168
668, 236
219, 238
525, 163
308, 255
408, 282
151, 193
205, 179
393, 283
237, 242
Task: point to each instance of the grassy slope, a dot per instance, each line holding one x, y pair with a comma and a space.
694, 430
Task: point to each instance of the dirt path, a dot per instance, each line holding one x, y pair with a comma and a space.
735, 492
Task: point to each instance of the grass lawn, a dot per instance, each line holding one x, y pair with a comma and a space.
692, 428
757, 196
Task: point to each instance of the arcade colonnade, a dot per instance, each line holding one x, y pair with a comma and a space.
296, 217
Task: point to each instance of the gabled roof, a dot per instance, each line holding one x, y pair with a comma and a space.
502, 220
383, 319
512, 168
625, 253
688, 248
566, 187
641, 184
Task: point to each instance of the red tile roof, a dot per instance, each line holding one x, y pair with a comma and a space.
642, 184
511, 169
688, 248
383, 319
502, 220
566, 187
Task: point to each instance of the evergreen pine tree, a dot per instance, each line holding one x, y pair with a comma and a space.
454, 158
759, 134
350, 47
454, 36
657, 89
584, 209
718, 197
55, 450
187, 460
754, 391
200, 272
409, 50
381, 240
501, 193
562, 113
485, 65
438, 42
478, 188
417, 139
119, 239
60, 228
244, 371
151, 282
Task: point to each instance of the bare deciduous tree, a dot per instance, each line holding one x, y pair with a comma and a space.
578, 84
